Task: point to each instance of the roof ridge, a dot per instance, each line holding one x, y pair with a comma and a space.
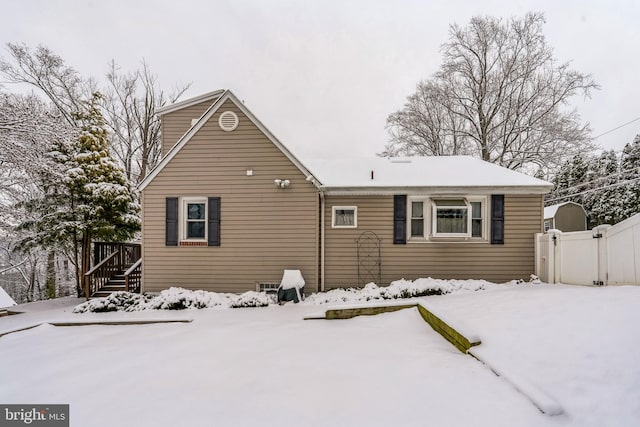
209, 96
225, 95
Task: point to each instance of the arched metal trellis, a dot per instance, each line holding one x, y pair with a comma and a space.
369, 265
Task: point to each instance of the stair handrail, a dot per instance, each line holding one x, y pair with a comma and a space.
133, 276
101, 273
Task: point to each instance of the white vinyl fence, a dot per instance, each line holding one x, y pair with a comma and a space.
606, 255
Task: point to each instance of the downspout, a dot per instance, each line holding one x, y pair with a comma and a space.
321, 241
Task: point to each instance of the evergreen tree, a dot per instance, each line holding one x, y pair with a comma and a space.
560, 182
578, 177
87, 195
630, 173
603, 202
569, 180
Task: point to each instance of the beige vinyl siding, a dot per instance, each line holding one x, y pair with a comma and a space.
459, 260
264, 230
177, 123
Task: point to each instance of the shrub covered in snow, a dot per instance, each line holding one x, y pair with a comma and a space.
180, 299
251, 299
173, 299
397, 289
117, 301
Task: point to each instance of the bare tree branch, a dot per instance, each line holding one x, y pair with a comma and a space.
505, 97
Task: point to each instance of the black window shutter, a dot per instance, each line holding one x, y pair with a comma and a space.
171, 216
214, 221
497, 219
399, 219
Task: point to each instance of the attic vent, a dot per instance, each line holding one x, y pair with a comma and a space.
401, 161
228, 121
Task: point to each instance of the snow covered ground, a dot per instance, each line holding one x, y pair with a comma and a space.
267, 366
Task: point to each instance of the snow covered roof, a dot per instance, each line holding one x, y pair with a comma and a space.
551, 211
442, 173
374, 175
5, 299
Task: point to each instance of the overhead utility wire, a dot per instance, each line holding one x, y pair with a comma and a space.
582, 184
616, 128
617, 184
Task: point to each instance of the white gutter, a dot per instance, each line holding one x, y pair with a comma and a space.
389, 191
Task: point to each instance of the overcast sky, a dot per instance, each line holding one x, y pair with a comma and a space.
324, 75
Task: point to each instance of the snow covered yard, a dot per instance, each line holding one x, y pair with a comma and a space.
581, 345
266, 366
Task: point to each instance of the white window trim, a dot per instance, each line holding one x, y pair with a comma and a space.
333, 216
184, 201
430, 218
425, 218
434, 218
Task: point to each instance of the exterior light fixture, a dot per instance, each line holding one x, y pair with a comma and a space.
282, 183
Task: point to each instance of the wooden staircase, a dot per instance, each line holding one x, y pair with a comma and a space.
118, 268
114, 284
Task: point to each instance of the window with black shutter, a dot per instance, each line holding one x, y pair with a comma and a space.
171, 226
192, 221
497, 219
213, 235
399, 219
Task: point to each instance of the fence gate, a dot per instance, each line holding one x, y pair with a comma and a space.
369, 266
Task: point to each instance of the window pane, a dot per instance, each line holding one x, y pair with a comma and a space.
417, 227
476, 219
416, 210
476, 212
344, 217
476, 228
450, 202
195, 211
195, 230
451, 221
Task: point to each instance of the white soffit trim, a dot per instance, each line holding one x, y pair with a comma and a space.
203, 119
189, 102
419, 191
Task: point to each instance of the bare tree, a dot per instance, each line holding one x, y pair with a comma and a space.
503, 95
28, 126
46, 71
129, 104
130, 107
423, 127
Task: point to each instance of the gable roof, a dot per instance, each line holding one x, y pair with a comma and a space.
451, 174
446, 174
551, 211
219, 101
210, 96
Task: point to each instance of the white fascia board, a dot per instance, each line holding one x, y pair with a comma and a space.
203, 119
189, 102
182, 141
389, 191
